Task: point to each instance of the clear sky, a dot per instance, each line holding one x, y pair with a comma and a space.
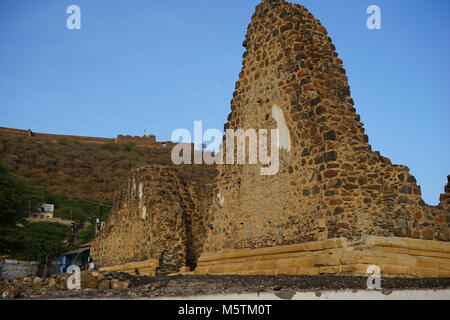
158, 65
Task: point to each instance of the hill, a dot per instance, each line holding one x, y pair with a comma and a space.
75, 169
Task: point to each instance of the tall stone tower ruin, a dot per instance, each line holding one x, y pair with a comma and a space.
335, 205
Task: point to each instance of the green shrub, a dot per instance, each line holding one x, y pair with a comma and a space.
40, 239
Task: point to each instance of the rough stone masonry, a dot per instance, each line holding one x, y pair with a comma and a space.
330, 184
334, 206
156, 216
333, 198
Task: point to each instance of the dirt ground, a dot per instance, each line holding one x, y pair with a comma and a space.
183, 286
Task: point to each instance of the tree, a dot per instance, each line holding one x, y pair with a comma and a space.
16, 201
12, 206
41, 239
12, 209
87, 234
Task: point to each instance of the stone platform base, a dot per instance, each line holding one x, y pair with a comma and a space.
146, 267
396, 257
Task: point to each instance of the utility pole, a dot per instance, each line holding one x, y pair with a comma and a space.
98, 221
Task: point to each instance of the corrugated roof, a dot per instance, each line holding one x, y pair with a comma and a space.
75, 251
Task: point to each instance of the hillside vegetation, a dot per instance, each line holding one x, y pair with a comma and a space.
19, 238
74, 169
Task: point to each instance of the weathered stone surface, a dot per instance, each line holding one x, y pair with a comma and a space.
171, 283
37, 283
105, 284
89, 283
62, 281
52, 282
11, 293
190, 285
14, 269
395, 256
119, 285
157, 217
27, 282
147, 267
88, 280
285, 294
330, 171
99, 276
185, 269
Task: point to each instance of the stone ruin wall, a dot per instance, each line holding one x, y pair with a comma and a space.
445, 197
330, 183
156, 215
146, 141
14, 269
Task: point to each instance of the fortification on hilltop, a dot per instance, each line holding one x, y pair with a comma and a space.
144, 141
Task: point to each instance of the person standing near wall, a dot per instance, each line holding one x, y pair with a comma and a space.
91, 265
47, 268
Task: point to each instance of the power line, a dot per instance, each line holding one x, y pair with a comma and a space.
96, 203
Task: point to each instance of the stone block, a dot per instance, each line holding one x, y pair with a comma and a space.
335, 256
119, 285
89, 280
104, 284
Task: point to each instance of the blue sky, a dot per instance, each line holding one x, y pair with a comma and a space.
159, 65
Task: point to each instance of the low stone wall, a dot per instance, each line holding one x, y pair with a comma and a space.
15, 269
89, 280
402, 257
144, 268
